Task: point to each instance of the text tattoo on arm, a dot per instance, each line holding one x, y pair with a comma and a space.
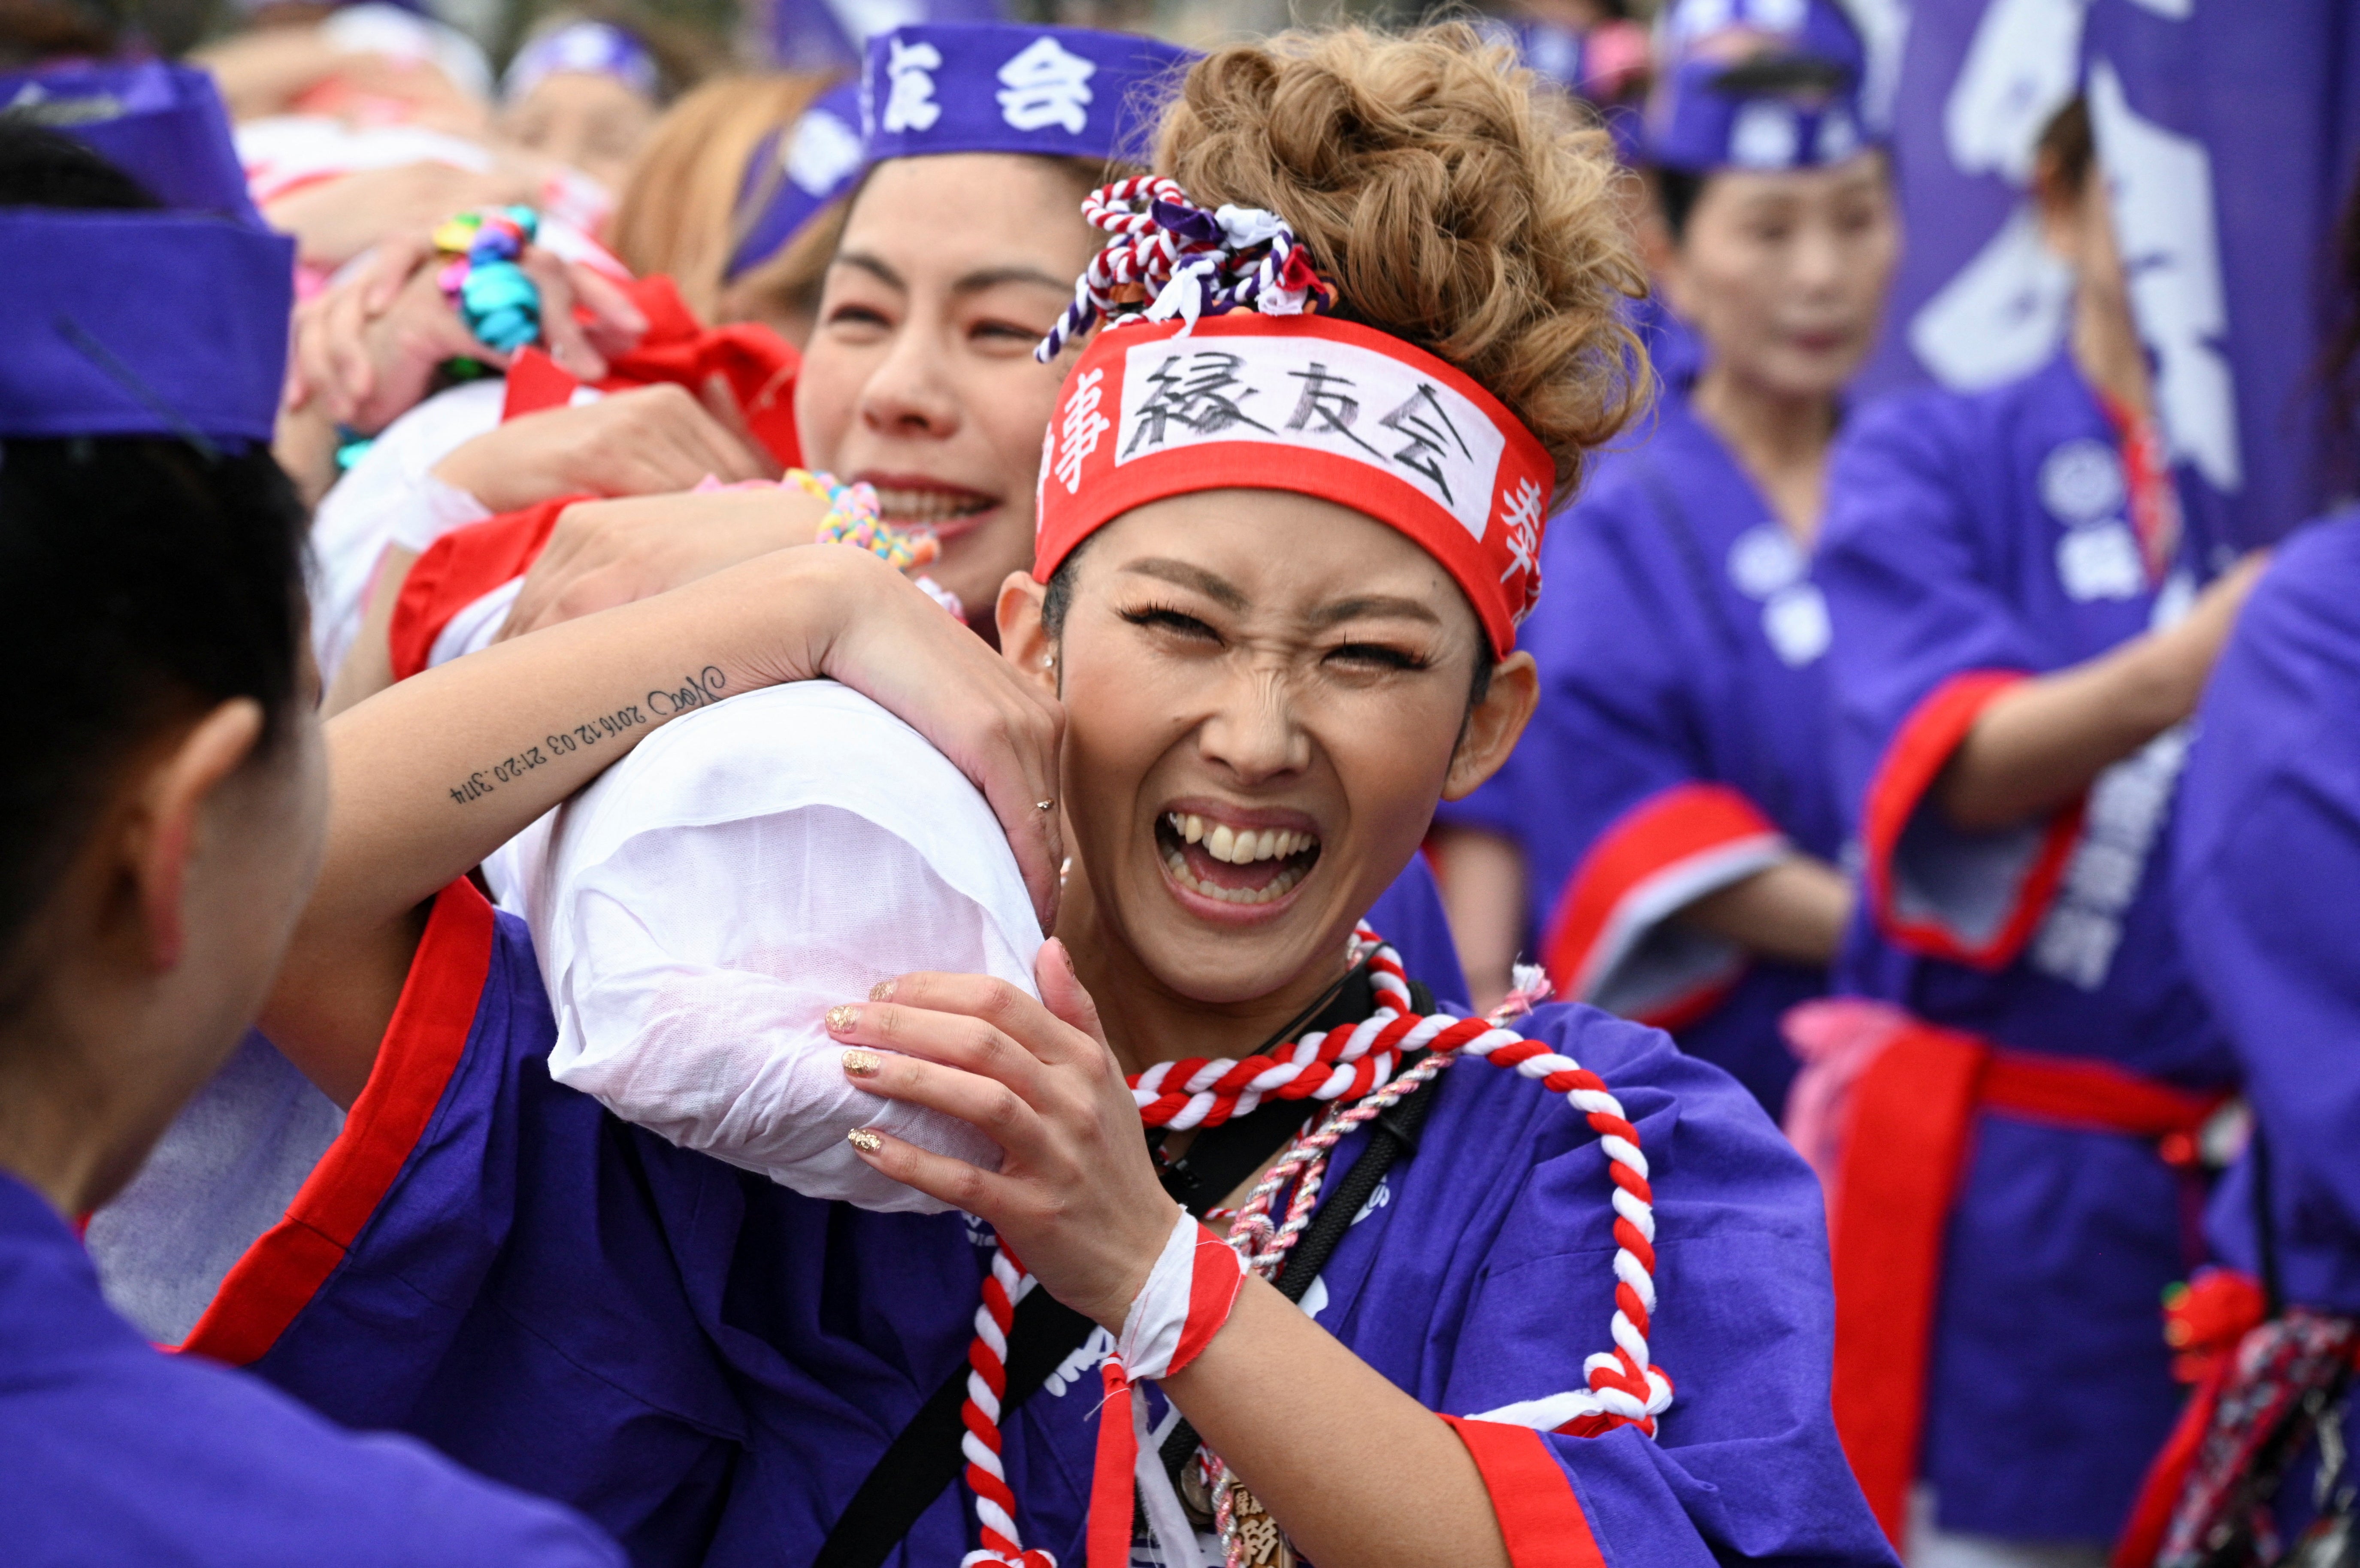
700, 690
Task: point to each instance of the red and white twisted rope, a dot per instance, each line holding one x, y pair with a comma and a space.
1222, 259
987, 1385
1624, 1387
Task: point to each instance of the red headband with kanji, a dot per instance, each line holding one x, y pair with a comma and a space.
1250, 398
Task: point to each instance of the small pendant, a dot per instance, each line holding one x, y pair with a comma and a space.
1195, 1494
1261, 1543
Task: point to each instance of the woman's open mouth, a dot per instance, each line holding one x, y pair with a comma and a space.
1234, 862
913, 501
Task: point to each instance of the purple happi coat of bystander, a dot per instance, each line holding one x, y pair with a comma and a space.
2268, 854
1682, 744
1973, 541
113, 1452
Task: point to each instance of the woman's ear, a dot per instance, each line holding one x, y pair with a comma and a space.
1024, 638
164, 831
1493, 725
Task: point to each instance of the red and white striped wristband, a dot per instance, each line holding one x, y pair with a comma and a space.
1186, 1301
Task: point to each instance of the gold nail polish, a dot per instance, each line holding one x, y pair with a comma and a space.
840, 1019
881, 992
862, 1064
864, 1140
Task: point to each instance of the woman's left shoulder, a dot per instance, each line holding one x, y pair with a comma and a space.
1700, 1135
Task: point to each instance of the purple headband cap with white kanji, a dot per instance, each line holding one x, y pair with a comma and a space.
1708, 118
162, 124
1757, 84
1822, 28
590, 49
998, 87
142, 323
793, 174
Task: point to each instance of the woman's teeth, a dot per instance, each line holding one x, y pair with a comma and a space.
1277, 887
926, 508
1226, 844
1237, 846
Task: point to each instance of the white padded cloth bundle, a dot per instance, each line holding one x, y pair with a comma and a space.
699, 907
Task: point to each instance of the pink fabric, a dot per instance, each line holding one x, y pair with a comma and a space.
1835, 1039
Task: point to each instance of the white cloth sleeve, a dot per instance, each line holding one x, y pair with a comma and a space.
385, 496
700, 906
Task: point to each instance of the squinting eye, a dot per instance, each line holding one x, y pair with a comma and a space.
1377, 655
1173, 621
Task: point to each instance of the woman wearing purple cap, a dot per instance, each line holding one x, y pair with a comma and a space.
586, 87
1673, 816
2023, 621
163, 810
918, 379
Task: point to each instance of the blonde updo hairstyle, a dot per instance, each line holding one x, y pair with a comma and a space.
1449, 202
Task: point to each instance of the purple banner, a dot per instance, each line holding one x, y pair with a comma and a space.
2227, 130
1977, 300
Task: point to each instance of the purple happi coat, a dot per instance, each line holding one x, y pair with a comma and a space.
111, 1452
1681, 744
1973, 541
709, 1364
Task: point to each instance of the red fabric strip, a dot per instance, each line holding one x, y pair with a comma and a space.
2166, 1478
1912, 1111
460, 569
758, 366
1213, 1287
286, 1266
1110, 1480
534, 384
1920, 750
1540, 1517
2093, 1096
1655, 838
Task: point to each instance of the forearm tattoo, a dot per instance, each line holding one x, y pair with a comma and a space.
700, 690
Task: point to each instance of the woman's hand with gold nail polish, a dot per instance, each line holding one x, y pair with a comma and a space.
1075, 1195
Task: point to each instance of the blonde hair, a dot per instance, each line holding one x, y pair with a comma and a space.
677, 215
1449, 203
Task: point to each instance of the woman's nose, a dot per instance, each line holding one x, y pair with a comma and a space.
1820, 259
1253, 733
911, 391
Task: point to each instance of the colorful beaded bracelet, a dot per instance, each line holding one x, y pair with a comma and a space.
482, 280
852, 519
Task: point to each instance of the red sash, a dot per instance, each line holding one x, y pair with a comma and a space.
1913, 1113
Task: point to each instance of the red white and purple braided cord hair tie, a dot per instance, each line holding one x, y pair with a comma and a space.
1177, 258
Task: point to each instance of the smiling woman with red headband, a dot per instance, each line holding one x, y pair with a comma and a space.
1285, 542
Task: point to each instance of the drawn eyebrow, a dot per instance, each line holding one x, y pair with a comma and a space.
984, 278
1219, 589
873, 266
974, 282
1378, 606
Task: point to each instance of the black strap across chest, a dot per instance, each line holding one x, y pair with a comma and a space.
925, 1458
